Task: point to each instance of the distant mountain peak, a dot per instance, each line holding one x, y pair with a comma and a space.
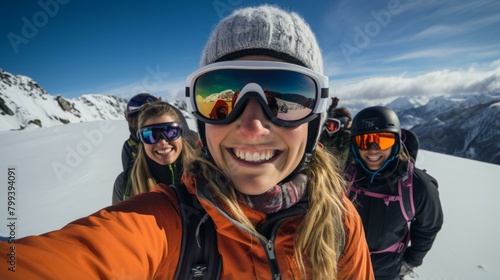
25, 104
407, 102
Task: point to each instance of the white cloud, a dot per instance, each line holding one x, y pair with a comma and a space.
451, 30
435, 31
427, 53
475, 79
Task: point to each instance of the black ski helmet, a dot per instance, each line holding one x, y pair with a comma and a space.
136, 102
376, 119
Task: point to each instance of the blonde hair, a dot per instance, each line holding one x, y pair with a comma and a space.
320, 238
141, 178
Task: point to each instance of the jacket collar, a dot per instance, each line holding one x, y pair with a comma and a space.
397, 170
228, 226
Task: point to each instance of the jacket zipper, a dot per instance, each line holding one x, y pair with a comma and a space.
267, 244
271, 257
270, 251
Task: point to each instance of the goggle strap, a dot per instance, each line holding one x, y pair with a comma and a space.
324, 93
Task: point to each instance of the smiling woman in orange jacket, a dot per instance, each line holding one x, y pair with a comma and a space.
277, 202
141, 240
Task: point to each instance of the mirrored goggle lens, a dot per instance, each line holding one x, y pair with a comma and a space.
291, 96
332, 125
153, 134
383, 140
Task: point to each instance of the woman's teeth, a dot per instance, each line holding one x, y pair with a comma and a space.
255, 156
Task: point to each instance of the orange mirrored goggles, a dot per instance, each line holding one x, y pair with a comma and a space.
382, 140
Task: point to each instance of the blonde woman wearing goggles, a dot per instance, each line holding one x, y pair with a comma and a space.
162, 151
277, 202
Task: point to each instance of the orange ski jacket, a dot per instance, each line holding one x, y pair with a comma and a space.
140, 238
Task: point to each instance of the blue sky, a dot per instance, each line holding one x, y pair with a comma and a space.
371, 49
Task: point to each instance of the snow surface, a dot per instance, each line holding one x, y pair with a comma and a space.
66, 172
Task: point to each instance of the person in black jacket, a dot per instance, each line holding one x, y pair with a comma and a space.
336, 134
162, 150
380, 162
129, 149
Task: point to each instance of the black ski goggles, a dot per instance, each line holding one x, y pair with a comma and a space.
151, 134
289, 94
382, 140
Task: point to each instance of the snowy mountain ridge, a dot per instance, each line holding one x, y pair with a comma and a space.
460, 125
405, 102
24, 104
464, 125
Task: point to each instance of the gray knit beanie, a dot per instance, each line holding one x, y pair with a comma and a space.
264, 30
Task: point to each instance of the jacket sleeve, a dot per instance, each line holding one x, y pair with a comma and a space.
120, 186
346, 144
135, 239
126, 156
355, 262
428, 217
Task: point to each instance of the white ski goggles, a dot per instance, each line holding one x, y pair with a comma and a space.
289, 94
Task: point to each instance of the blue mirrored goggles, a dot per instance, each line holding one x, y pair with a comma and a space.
151, 134
290, 94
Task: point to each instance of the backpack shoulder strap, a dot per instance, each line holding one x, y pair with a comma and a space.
128, 188
404, 199
199, 258
404, 196
405, 190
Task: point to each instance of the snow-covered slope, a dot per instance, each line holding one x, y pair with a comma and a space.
65, 172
